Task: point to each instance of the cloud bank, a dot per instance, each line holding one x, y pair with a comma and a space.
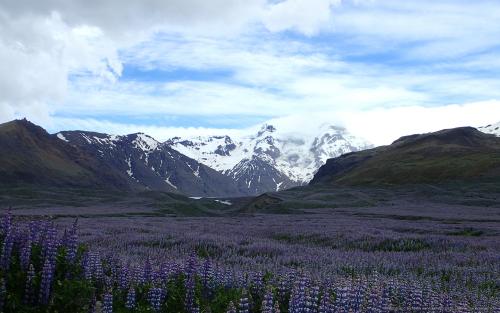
381, 68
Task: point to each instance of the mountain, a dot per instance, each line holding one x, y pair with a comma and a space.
151, 164
459, 154
493, 129
269, 159
31, 156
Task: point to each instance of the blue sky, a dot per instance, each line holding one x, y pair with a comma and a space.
380, 68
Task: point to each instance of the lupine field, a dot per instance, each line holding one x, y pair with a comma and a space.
436, 259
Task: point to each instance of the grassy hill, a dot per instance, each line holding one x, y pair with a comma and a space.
460, 154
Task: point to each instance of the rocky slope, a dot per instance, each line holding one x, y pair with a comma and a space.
151, 164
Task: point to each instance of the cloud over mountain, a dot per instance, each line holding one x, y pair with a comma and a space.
234, 64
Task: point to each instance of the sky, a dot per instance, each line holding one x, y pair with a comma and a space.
380, 68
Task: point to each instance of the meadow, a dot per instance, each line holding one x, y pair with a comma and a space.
416, 258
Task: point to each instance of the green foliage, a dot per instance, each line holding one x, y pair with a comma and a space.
71, 292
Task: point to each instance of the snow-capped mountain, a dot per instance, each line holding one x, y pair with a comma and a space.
149, 163
269, 159
491, 129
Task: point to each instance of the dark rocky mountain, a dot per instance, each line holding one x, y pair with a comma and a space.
459, 154
256, 175
31, 156
148, 163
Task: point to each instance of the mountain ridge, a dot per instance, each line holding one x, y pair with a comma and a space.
268, 160
152, 164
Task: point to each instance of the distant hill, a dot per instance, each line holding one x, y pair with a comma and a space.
31, 156
459, 154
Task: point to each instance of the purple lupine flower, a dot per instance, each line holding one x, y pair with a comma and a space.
385, 301
97, 267
72, 242
107, 303
46, 283
34, 232
356, 298
29, 289
165, 269
189, 302
92, 266
342, 299
137, 276
297, 303
282, 288
325, 305
8, 244
207, 279
131, 301
50, 243
87, 266
147, 270
243, 306
155, 298
446, 304
416, 298
190, 268
7, 222
313, 299
26, 255
231, 308
258, 283
462, 307
268, 303
123, 278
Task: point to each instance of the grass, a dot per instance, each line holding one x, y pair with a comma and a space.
467, 232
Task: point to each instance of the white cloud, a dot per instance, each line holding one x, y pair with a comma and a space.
42, 43
425, 29
305, 16
161, 133
384, 125
38, 53
378, 126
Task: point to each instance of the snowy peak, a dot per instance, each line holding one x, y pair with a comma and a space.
221, 153
268, 159
144, 142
